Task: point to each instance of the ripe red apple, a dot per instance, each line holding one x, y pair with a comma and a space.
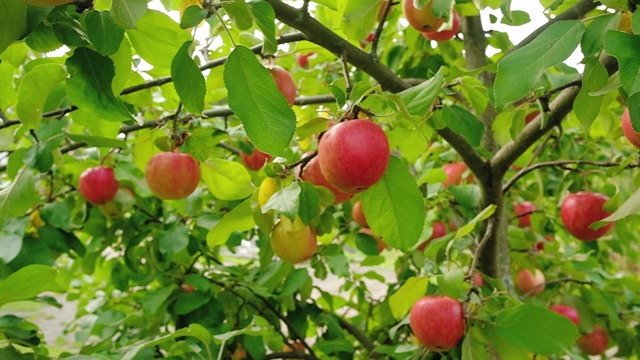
354, 155
448, 34
368, 40
477, 279
578, 211
358, 215
568, 311
293, 241
439, 230
381, 244
313, 174
454, 173
529, 283
539, 246
256, 160
521, 209
172, 175
98, 185
285, 83
437, 322
628, 129
303, 59
423, 19
595, 342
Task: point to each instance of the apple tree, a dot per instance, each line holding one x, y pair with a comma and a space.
270, 179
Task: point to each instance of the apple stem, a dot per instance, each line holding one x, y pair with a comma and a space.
175, 137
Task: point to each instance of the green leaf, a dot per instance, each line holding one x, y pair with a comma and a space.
452, 283
103, 33
265, 19
192, 16
472, 347
89, 85
285, 201
394, 207
309, 202
468, 228
626, 48
239, 12
634, 110
13, 22
126, 13
419, 99
27, 283
226, 180
174, 239
630, 207
463, 123
238, 219
294, 281
19, 196
553, 332
188, 80
11, 245
39, 156
98, 141
266, 115
359, 17
403, 299
518, 18
587, 107
505, 8
157, 38
441, 8
593, 39
194, 330
635, 23
35, 87
519, 71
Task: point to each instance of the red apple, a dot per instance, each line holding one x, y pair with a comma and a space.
539, 246
285, 83
595, 342
293, 241
523, 211
313, 174
454, 173
632, 135
256, 160
354, 155
448, 34
423, 19
381, 244
172, 175
477, 279
367, 41
358, 215
303, 60
437, 322
529, 283
578, 211
568, 311
439, 230
98, 185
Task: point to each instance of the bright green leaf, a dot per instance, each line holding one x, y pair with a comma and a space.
19, 196
239, 12
359, 17
265, 19
13, 22
285, 201
192, 16
587, 107
227, 180
403, 299
34, 88
238, 219
593, 39
27, 283
188, 80
626, 48
419, 99
468, 228
126, 13
309, 202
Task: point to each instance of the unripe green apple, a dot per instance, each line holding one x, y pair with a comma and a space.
293, 241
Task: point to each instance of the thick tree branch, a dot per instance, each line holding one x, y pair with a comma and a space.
469, 155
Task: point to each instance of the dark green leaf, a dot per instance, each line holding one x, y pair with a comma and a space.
296, 279
104, 34
188, 80
419, 99
174, 239
13, 22
192, 16
626, 48
463, 123
586, 106
265, 19
593, 39
309, 202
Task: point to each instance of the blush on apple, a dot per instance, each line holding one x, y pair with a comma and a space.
358, 215
439, 230
313, 174
447, 34
256, 160
595, 342
567, 311
293, 241
530, 284
437, 322
629, 131
285, 83
454, 173
579, 210
354, 155
98, 185
172, 175
523, 212
422, 19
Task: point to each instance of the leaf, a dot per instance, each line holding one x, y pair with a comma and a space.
157, 38
419, 99
626, 48
35, 87
89, 85
238, 219
103, 33
126, 13
192, 16
403, 299
468, 228
98, 141
13, 22
359, 17
464, 123
188, 80
294, 281
194, 330
309, 202
586, 106
441, 8
239, 12
19, 196
452, 283
174, 239
266, 115
593, 39
285, 201
635, 23
265, 19
634, 110
226, 180
472, 347
519, 71
553, 332
505, 8
629, 207
27, 283
394, 207
11, 245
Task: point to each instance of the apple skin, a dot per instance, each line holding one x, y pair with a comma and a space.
477, 279
256, 160
439, 230
313, 174
285, 83
303, 59
445, 35
172, 175
454, 173
358, 215
423, 19
524, 208
539, 246
595, 342
47, 2
354, 155
579, 210
98, 185
293, 241
627, 128
530, 284
381, 244
568, 311
437, 322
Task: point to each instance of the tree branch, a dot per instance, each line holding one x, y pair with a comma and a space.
470, 156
